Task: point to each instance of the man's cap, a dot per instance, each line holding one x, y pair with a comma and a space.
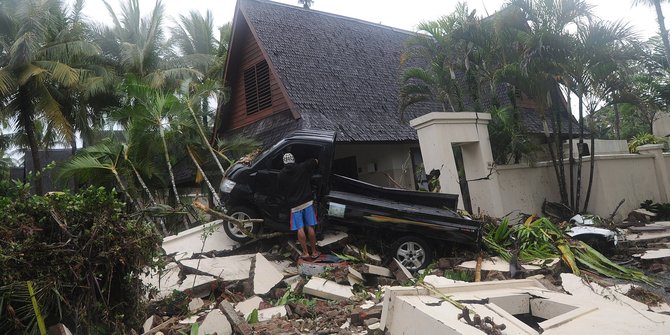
288, 158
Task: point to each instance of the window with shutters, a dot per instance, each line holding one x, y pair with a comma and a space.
257, 88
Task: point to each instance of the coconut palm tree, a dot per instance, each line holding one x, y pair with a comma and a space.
36, 60
661, 23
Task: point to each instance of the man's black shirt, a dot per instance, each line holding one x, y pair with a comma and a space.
294, 182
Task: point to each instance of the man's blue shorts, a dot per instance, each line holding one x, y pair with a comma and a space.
302, 217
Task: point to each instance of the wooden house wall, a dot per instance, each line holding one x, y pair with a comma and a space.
251, 55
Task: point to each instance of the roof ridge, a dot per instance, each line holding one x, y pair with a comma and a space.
379, 25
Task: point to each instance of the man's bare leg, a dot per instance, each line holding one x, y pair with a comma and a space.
303, 242
312, 239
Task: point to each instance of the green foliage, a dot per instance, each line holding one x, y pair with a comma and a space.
253, 317
459, 275
541, 239
83, 255
509, 140
646, 138
662, 210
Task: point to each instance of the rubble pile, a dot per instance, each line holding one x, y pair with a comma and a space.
270, 290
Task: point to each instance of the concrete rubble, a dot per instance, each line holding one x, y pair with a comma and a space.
332, 296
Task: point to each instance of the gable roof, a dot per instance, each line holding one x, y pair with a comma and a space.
339, 73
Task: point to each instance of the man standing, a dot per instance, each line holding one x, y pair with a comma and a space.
294, 182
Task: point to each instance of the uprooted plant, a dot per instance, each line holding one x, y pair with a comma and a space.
538, 239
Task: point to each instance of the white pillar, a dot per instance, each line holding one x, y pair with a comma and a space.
437, 133
661, 171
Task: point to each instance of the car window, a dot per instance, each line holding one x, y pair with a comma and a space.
300, 151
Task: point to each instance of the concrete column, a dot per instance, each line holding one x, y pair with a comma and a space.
437, 133
438, 154
662, 175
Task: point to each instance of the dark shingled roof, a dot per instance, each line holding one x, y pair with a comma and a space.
341, 73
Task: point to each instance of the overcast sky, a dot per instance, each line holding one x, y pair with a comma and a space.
403, 14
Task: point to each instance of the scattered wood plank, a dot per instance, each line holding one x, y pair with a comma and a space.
240, 326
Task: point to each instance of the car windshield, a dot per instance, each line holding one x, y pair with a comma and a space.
267, 152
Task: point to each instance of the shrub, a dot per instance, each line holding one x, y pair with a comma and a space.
83, 254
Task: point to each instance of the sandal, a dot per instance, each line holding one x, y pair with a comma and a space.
306, 257
317, 255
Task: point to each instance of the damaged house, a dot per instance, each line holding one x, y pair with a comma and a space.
290, 68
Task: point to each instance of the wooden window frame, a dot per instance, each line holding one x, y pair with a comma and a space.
257, 88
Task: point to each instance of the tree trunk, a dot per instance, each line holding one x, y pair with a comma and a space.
581, 146
217, 200
592, 168
617, 122
663, 31
169, 165
204, 139
26, 114
571, 158
553, 157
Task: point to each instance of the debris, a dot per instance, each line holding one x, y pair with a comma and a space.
439, 281
315, 268
401, 273
493, 264
327, 289
354, 277
375, 270
190, 320
332, 237
195, 304
247, 306
478, 268
656, 254
207, 237
227, 268
269, 313
266, 275
239, 325
364, 255
293, 282
215, 322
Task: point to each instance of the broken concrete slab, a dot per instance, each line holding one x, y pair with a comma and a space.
266, 275
285, 267
366, 256
215, 322
190, 320
439, 281
239, 325
313, 268
332, 237
375, 270
656, 254
268, 313
207, 237
354, 277
195, 304
168, 280
247, 306
227, 268
494, 264
401, 273
293, 282
327, 289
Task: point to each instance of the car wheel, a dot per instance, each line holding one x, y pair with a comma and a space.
241, 213
414, 253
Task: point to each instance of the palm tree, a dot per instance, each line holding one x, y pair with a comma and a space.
661, 23
35, 61
306, 4
431, 55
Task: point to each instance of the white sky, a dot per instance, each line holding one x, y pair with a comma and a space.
403, 14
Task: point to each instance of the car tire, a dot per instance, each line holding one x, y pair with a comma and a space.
241, 213
413, 252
